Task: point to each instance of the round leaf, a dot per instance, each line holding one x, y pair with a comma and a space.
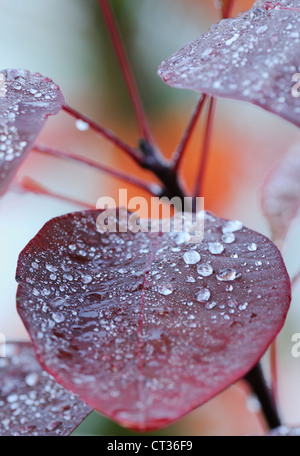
281, 194
26, 100
32, 403
254, 57
147, 326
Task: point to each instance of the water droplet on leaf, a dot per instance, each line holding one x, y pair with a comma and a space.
165, 289
191, 257
228, 274
228, 238
232, 225
215, 248
205, 269
203, 295
252, 247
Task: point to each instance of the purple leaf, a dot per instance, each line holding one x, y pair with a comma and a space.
252, 57
26, 100
281, 194
32, 403
145, 327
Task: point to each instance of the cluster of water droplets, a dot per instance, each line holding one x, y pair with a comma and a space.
31, 402
202, 268
25, 99
25, 87
104, 306
97, 286
251, 57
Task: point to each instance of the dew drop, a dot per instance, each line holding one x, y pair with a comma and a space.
228, 275
232, 39
53, 425
228, 238
190, 279
81, 125
68, 277
215, 248
203, 295
229, 288
232, 302
261, 29
252, 247
57, 302
58, 317
191, 257
256, 13
165, 289
86, 278
210, 305
205, 269
32, 379
232, 225
12, 398
51, 268
243, 306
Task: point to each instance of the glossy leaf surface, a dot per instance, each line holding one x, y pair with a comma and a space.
281, 194
31, 402
254, 57
147, 326
26, 100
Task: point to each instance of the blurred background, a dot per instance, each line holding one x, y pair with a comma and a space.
67, 41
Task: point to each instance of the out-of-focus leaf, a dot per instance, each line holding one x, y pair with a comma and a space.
147, 326
281, 194
252, 57
31, 402
285, 431
26, 100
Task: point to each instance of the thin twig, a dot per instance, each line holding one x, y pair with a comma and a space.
31, 185
108, 134
126, 70
151, 188
295, 279
205, 147
181, 148
274, 369
227, 8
